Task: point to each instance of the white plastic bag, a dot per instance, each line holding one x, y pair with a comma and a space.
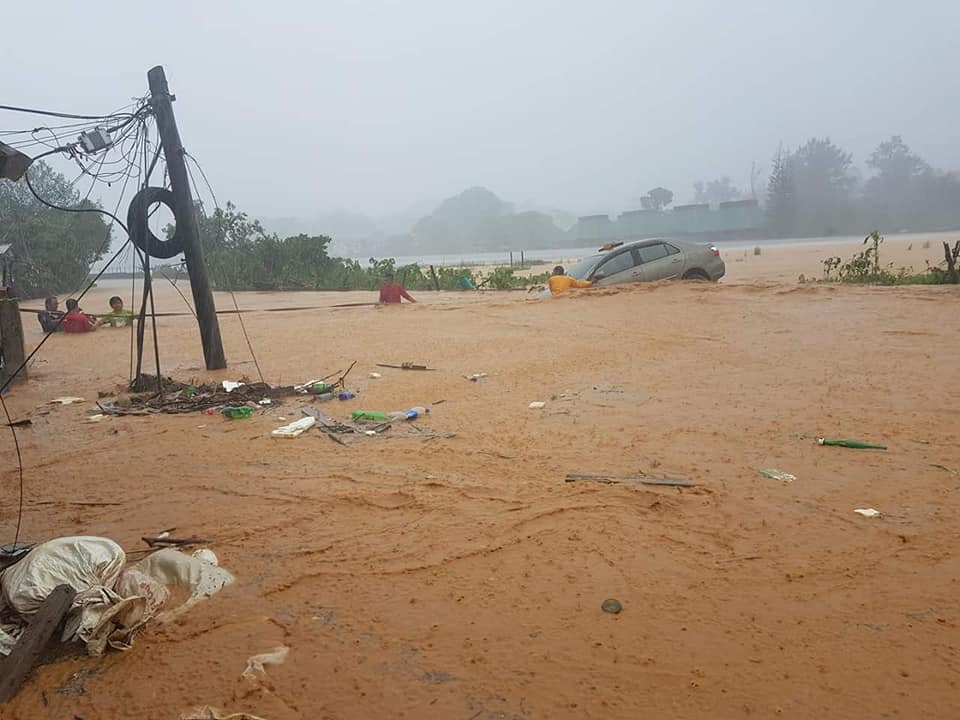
83, 563
134, 582
172, 567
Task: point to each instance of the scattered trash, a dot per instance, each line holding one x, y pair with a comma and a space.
372, 423
319, 388
778, 475
476, 377
375, 376
297, 427
537, 405
265, 401
228, 385
255, 664
639, 479
346, 395
183, 398
857, 444
868, 512
611, 606
66, 400
232, 412
95, 418
20, 423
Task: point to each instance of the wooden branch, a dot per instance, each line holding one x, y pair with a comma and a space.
15, 668
951, 257
640, 480
173, 542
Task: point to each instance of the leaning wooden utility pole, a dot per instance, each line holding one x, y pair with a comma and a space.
187, 230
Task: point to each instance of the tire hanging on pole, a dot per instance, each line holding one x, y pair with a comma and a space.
140, 233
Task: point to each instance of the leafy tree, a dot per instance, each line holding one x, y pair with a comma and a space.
52, 250
824, 187
906, 192
781, 196
715, 192
657, 198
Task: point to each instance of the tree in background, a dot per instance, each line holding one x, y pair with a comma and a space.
715, 192
906, 193
52, 250
781, 200
824, 187
656, 199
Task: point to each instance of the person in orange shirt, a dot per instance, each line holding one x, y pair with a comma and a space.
560, 281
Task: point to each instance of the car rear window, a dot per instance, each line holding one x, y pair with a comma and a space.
650, 253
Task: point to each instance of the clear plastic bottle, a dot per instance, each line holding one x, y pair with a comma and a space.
411, 414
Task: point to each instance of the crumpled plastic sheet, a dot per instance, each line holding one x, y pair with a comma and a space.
91, 566
110, 605
255, 664
205, 712
172, 567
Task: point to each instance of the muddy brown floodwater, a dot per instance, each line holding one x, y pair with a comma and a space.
462, 577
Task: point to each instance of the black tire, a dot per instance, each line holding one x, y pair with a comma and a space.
141, 235
696, 274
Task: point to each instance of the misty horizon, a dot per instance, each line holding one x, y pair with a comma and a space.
384, 110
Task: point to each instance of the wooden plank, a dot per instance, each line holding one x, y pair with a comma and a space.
15, 668
640, 479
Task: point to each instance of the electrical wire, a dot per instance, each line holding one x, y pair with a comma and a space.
16, 445
223, 272
51, 113
18, 370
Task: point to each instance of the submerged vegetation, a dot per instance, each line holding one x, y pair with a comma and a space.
865, 267
242, 255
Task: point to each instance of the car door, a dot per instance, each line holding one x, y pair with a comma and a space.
618, 268
660, 261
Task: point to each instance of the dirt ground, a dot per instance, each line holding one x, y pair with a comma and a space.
463, 577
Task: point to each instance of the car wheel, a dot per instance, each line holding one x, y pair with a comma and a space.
695, 275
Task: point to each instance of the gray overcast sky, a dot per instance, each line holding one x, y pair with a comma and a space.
297, 107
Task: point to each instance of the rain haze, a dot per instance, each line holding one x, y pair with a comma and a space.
386, 108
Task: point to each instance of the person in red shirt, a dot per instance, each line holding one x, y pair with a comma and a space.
76, 321
393, 292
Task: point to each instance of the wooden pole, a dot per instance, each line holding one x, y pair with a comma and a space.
433, 274
160, 101
11, 341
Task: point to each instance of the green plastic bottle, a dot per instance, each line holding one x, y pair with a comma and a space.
320, 388
856, 444
235, 413
369, 416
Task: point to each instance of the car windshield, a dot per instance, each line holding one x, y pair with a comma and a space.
582, 270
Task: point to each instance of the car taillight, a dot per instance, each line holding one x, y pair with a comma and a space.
713, 249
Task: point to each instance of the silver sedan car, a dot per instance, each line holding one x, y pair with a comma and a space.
651, 259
